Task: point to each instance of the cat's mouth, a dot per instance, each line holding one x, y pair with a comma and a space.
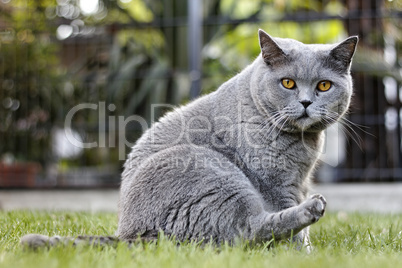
305, 122
304, 115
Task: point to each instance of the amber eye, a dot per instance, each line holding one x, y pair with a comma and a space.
288, 83
324, 85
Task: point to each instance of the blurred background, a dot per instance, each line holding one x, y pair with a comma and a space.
95, 63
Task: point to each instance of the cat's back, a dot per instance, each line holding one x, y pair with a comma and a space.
188, 124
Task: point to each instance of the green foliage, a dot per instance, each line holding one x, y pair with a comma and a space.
339, 240
235, 47
30, 90
143, 61
138, 10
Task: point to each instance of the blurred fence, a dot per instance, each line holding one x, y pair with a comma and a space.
122, 57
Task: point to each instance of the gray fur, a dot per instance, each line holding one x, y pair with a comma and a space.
199, 172
39, 241
236, 163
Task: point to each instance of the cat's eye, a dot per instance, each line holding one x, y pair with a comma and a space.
324, 85
288, 83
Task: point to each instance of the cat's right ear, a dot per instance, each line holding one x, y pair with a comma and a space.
271, 52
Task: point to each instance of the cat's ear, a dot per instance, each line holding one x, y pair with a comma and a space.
271, 52
343, 52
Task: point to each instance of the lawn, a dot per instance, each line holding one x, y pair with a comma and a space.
339, 240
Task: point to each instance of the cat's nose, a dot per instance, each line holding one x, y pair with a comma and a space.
306, 103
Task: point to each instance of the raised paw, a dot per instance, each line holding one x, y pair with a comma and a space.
313, 208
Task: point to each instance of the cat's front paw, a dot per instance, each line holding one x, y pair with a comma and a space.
313, 208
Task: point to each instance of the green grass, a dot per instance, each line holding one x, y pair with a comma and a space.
339, 240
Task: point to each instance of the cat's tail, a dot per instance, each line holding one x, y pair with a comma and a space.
39, 241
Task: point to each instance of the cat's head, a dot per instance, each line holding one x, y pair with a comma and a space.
302, 87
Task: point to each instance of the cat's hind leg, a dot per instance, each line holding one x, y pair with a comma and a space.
188, 191
193, 192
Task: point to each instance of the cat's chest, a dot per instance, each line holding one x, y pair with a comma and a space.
278, 157
279, 171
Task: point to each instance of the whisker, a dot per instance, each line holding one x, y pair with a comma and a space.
280, 129
346, 127
360, 127
276, 124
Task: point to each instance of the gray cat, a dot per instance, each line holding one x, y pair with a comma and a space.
236, 163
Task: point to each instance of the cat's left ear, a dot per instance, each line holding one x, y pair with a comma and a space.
343, 53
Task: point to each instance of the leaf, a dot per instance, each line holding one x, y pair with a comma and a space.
151, 84
118, 79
